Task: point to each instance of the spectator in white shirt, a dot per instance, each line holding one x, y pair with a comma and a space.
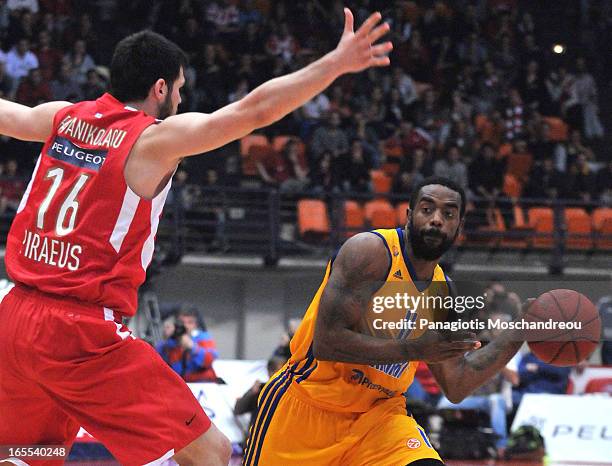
19, 61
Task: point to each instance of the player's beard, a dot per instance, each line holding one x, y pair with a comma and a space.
421, 249
165, 108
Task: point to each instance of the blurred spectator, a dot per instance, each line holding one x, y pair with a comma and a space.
489, 398
6, 83
30, 5
312, 112
285, 170
604, 305
65, 86
452, 167
566, 153
94, 87
545, 181
12, 187
330, 137
424, 387
188, 347
80, 61
486, 175
579, 185
536, 376
326, 176
282, 44
515, 113
405, 181
19, 61
49, 58
33, 90
603, 184
357, 172
586, 94
247, 403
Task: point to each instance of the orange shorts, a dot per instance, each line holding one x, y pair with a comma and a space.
66, 365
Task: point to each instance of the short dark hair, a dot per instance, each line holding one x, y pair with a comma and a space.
448, 183
141, 59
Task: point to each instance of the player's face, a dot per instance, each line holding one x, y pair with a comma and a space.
434, 222
170, 104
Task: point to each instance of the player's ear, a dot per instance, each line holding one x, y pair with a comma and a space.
159, 89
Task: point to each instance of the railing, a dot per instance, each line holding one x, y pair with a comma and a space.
274, 224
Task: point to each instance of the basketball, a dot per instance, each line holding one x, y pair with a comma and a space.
564, 347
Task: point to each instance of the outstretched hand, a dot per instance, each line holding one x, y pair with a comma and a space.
357, 51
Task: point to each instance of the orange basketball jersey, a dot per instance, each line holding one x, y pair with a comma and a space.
351, 387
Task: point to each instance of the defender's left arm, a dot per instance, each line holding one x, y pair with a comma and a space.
28, 123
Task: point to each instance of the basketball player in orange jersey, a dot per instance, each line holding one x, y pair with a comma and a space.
338, 400
84, 235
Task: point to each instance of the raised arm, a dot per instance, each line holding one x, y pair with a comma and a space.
358, 271
193, 133
28, 123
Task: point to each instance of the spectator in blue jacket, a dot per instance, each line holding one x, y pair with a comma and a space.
536, 376
188, 348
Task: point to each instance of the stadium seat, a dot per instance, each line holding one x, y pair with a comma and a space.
578, 226
279, 143
401, 214
602, 226
313, 222
353, 218
519, 166
255, 154
491, 234
253, 148
381, 182
391, 168
558, 129
541, 220
517, 233
252, 140
380, 214
601, 385
512, 187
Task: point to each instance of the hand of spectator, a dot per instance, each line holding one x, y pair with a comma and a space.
256, 388
187, 342
356, 50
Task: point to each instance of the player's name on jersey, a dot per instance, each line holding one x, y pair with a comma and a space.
54, 252
89, 134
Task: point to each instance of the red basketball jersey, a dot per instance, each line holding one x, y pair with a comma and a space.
80, 231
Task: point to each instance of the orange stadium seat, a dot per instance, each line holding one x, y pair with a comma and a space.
519, 166
253, 148
602, 225
558, 129
252, 140
353, 217
391, 168
579, 228
517, 233
541, 219
381, 182
312, 219
380, 214
512, 187
600, 385
401, 213
279, 142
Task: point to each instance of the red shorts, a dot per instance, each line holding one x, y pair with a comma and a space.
65, 365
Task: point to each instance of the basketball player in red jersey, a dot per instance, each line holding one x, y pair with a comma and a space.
83, 237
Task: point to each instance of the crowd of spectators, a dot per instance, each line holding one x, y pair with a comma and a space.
473, 86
